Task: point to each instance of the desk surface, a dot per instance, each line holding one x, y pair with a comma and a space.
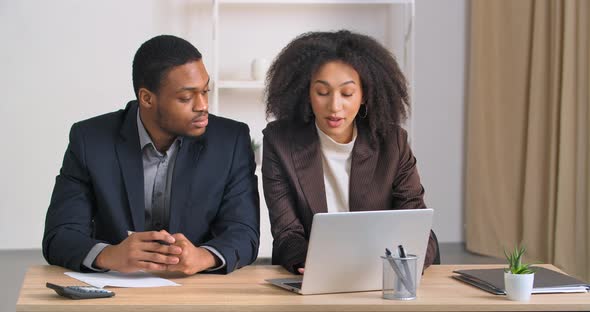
246, 290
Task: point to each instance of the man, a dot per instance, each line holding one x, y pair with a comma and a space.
160, 185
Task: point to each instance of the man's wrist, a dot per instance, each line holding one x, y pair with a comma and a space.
219, 259
89, 261
101, 260
210, 259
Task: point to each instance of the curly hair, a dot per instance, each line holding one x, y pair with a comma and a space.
384, 86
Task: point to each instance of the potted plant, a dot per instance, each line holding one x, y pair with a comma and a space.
518, 277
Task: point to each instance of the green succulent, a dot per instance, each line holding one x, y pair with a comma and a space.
515, 265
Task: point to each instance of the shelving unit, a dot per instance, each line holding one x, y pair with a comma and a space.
240, 84
248, 29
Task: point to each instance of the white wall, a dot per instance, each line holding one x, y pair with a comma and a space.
67, 60
60, 62
439, 105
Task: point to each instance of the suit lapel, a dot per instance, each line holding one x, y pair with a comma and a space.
185, 170
307, 160
129, 155
362, 169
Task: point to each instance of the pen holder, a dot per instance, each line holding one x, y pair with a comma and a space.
400, 277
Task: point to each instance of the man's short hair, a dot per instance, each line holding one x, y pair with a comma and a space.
156, 57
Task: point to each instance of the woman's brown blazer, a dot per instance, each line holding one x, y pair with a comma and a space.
382, 176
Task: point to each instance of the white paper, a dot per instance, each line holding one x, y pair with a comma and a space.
118, 279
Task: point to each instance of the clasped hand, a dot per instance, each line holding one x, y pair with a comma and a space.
142, 251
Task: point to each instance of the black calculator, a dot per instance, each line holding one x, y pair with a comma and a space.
80, 292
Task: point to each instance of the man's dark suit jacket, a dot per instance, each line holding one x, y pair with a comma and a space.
382, 176
99, 193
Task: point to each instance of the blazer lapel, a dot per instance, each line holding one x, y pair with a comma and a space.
362, 170
307, 161
129, 154
185, 170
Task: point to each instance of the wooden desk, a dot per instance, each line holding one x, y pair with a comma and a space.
246, 290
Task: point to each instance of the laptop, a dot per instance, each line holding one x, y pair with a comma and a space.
345, 248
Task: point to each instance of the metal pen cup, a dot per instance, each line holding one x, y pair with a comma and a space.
400, 277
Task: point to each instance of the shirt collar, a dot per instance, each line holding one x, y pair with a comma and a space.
144, 136
327, 142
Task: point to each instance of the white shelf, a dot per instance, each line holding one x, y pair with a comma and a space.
265, 23
240, 84
314, 1
397, 31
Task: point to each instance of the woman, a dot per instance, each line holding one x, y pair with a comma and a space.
336, 145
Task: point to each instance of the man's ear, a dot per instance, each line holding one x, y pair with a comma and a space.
146, 98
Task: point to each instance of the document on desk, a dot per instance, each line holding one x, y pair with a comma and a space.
118, 279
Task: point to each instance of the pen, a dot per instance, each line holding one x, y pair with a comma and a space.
161, 242
402, 254
397, 270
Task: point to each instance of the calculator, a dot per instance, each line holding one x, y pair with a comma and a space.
80, 292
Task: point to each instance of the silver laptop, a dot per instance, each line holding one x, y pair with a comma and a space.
345, 248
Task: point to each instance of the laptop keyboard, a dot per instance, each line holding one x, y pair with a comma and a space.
295, 285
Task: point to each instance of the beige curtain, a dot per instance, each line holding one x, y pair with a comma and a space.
528, 133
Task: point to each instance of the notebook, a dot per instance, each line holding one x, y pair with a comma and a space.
345, 249
546, 281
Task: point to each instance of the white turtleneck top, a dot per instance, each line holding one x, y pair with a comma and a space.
336, 160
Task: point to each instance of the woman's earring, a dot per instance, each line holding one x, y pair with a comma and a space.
366, 111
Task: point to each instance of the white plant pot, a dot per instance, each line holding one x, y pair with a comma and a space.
519, 287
